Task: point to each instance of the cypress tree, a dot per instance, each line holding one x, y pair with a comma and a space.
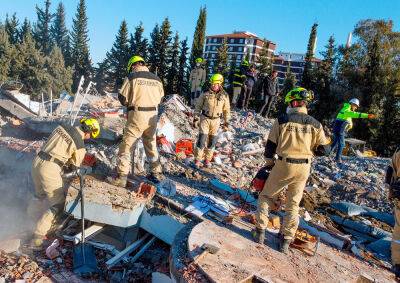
138, 44
154, 49
80, 57
307, 76
221, 63
6, 54
165, 49
25, 29
264, 60
173, 69
199, 37
183, 68
61, 76
59, 33
11, 26
101, 78
118, 57
42, 33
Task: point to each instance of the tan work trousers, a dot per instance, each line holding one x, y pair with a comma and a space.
139, 124
207, 138
236, 94
396, 235
283, 174
49, 190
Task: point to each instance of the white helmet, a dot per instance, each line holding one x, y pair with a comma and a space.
355, 101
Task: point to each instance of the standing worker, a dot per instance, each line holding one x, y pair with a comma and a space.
251, 79
344, 123
196, 80
295, 137
239, 78
65, 147
211, 106
270, 87
141, 93
393, 179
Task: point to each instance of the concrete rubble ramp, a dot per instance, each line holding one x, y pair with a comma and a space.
239, 259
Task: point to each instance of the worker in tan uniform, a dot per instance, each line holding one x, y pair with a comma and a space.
196, 79
211, 106
64, 149
141, 93
393, 179
295, 137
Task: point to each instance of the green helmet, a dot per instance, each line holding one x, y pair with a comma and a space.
245, 63
199, 60
299, 93
216, 79
134, 59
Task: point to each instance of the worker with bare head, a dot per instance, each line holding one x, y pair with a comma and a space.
393, 180
64, 149
141, 93
211, 106
293, 140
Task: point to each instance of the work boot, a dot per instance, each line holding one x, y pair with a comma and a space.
155, 177
284, 246
207, 164
120, 181
258, 235
396, 271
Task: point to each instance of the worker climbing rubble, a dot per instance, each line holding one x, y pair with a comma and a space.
211, 106
239, 78
295, 137
344, 123
141, 93
196, 80
393, 180
64, 149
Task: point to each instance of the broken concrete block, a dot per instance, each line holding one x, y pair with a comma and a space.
10, 246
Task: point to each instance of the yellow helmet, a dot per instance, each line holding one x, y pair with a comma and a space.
90, 125
299, 93
133, 60
199, 60
217, 79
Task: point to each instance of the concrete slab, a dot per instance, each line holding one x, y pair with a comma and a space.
10, 246
239, 258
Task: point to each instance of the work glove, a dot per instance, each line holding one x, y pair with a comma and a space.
371, 116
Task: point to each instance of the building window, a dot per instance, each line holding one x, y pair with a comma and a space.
214, 40
230, 48
208, 40
239, 57
241, 40
231, 40
240, 49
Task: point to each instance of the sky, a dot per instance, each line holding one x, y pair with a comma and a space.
286, 23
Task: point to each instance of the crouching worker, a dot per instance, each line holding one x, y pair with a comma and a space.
295, 137
64, 148
393, 179
211, 106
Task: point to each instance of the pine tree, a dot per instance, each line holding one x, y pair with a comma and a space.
6, 54
11, 26
59, 33
264, 60
306, 81
101, 78
41, 32
119, 56
154, 50
173, 69
199, 37
221, 63
165, 49
247, 57
80, 57
183, 68
25, 29
138, 44
61, 76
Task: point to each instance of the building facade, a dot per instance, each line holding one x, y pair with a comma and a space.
293, 61
240, 43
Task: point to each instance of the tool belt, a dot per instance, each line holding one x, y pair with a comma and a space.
47, 157
294, 160
143, 109
210, 117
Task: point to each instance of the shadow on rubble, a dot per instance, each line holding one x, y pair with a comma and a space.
20, 132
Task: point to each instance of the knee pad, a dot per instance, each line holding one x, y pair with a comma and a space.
212, 141
201, 141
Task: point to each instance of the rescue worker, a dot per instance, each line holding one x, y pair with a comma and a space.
141, 93
295, 137
251, 79
270, 88
239, 77
196, 80
64, 148
344, 123
211, 106
393, 179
